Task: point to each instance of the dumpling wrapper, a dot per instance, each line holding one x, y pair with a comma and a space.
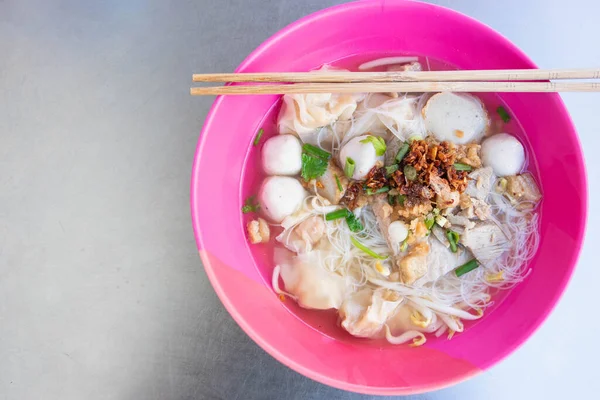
379, 113
364, 313
304, 113
313, 286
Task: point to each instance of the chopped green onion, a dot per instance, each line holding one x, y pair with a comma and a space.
315, 151
436, 211
453, 238
402, 152
339, 184
250, 205
383, 189
466, 267
391, 200
365, 249
441, 221
353, 223
429, 222
401, 199
391, 169
404, 244
258, 136
377, 142
462, 167
503, 114
410, 172
349, 167
337, 214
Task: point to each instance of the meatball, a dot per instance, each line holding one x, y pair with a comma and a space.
280, 196
504, 154
282, 155
363, 155
455, 117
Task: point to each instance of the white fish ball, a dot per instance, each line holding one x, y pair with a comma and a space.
280, 196
363, 154
397, 232
282, 155
503, 153
455, 117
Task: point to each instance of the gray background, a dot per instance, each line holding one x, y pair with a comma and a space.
102, 294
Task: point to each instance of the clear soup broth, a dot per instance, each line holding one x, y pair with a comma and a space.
327, 321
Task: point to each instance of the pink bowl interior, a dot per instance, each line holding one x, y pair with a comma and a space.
225, 148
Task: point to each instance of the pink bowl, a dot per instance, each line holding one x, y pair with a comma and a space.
224, 150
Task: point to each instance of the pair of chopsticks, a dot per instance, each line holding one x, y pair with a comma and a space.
516, 80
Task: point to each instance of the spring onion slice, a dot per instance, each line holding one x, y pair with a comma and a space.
503, 114
429, 222
404, 244
339, 184
383, 189
378, 144
410, 172
337, 214
453, 238
402, 152
462, 167
391, 169
349, 167
466, 267
365, 249
315, 151
258, 136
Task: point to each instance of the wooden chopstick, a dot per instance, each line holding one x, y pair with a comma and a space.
406, 76
401, 87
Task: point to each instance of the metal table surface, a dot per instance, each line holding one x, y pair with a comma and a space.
102, 294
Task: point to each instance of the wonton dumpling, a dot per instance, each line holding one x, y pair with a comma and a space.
379, 112
364, 312
304, 236
303, 114
455, 117
313, 285
280, 196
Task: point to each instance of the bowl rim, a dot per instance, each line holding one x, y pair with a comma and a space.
291, 363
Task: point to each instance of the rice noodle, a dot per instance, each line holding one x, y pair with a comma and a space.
440, 306
442, 303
